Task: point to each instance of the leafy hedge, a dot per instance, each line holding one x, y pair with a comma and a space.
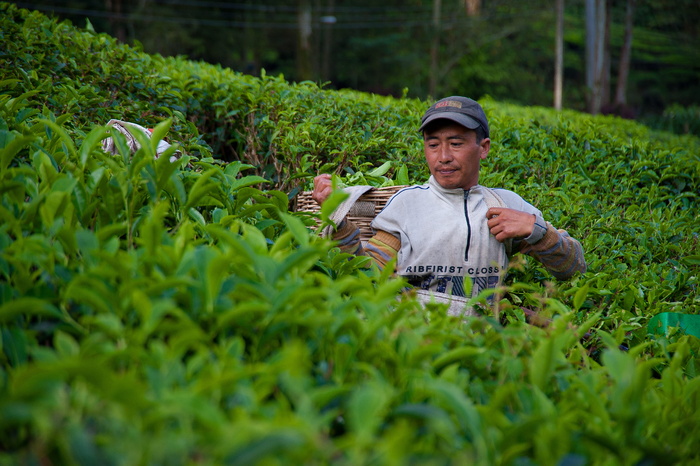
179, 312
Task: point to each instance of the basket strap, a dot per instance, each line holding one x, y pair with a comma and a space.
339, 214
363, 209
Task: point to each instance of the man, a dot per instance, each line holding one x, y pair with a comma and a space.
452, 227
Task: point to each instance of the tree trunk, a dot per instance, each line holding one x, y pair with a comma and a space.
595, 43
590, 54
625, 58
328, 22
304, 67
473, 7
605, 70
250, 56
559, 56
435, 49
116, 20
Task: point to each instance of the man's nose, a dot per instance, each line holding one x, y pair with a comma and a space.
445, 155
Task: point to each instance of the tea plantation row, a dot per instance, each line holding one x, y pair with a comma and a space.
158, 312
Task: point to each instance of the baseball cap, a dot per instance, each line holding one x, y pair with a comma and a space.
462, 110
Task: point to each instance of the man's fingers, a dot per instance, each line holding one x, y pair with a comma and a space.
506, 223
322, 188
321, 181
492, 217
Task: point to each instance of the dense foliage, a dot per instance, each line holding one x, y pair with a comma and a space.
500, 48
158, 312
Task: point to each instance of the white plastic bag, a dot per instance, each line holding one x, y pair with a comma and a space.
124, 127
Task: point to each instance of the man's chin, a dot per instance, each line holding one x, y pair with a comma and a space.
447, 182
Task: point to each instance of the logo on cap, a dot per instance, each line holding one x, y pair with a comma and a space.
449, 103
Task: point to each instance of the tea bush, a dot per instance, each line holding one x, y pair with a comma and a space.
179, 312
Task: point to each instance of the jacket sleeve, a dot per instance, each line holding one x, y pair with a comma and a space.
558, 252
381, 248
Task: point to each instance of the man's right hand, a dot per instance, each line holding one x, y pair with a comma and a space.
322, 188
509, 223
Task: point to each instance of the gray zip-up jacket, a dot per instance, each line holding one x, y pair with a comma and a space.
444, 237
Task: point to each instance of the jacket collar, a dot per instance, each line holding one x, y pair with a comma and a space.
450, 192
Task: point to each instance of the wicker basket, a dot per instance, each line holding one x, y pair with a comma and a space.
364, 210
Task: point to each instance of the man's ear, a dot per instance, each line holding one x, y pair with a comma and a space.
485, 147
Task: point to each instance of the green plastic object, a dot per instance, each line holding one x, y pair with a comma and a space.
688, 323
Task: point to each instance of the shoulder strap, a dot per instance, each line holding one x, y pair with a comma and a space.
492, 199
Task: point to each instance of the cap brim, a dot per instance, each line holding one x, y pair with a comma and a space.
464, 120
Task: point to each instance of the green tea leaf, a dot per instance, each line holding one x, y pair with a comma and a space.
402, 175
10, 150
27, 306
580, 296
456, 355
691, 260
331, 204
268, 447
65, 344
63, 136
366, 408
92, 140
381, 170
202, 187
158, 133
297, 227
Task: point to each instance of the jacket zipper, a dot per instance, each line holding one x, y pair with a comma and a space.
469, 227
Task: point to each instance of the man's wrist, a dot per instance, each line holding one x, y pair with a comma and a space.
538, 230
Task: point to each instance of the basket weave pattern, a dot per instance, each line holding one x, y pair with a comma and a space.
364, 210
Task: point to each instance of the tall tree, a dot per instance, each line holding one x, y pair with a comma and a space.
473, 7
595, 53
559, 56
435, 49
304, 53
328, 20
625, 58
116, 18
605, 71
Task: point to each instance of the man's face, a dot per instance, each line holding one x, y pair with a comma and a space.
453, 155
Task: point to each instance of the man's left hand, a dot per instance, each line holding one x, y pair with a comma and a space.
509, 223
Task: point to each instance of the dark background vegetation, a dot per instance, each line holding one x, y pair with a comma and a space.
503, 49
